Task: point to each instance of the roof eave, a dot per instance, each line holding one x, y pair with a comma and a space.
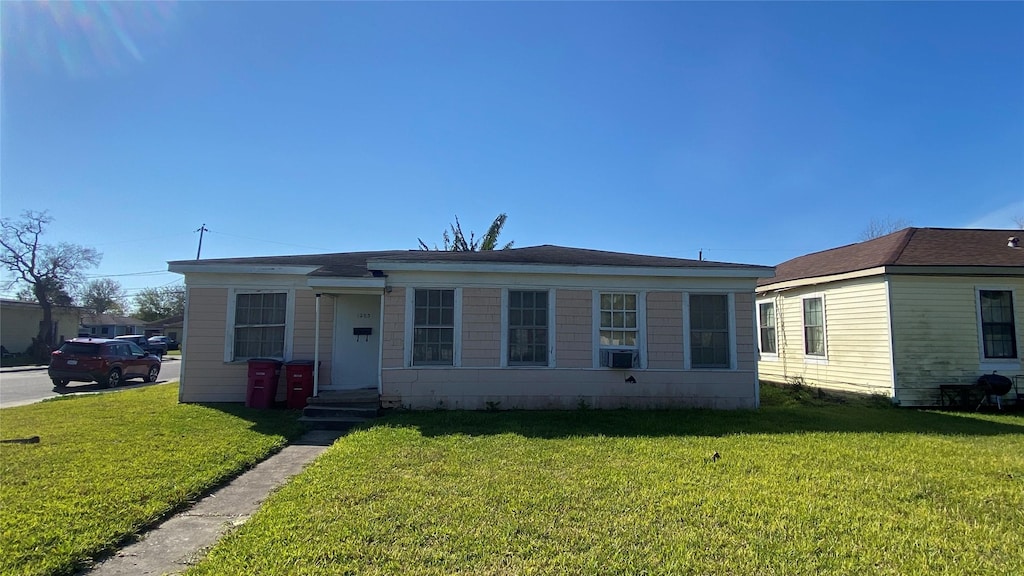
492, 267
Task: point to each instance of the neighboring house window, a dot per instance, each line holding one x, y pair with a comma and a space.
105, 330
527, 328
709, 331
814, 327
260, 325
434, 327
766, 323
998, 333
618, 330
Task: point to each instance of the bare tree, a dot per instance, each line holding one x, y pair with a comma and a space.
102, 295
880, 227
46, 269
1019, 221
457, 241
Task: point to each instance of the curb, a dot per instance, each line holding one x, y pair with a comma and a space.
21, 369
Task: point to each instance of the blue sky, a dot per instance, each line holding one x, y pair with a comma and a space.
755, 132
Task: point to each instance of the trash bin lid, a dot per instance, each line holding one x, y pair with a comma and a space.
299, 363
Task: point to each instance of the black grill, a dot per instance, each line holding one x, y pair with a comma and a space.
994, 384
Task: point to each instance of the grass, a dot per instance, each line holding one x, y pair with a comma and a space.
107, 465
807, 485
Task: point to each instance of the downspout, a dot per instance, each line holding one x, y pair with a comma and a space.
316, 349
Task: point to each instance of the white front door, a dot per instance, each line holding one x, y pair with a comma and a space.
356, 357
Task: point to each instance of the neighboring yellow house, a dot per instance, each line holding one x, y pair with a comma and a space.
899, 315
19, 323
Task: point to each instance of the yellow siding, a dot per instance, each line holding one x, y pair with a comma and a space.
19, 324
935, 325
856, 338
481, 327
304, 336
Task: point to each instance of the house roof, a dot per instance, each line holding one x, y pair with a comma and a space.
169, 321
110, 320
932, 247
361, 264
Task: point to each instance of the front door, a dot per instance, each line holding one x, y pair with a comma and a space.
356, 358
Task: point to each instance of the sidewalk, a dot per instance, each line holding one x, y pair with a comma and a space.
182, 540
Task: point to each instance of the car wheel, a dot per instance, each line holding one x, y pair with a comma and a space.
154, 371
114, 378
59, 382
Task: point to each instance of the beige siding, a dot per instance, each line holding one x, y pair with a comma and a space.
746, 337
856, 338
205, 377
394, 329
935, 329
526, 388
481, 327
574, 328
304, 336
665, 330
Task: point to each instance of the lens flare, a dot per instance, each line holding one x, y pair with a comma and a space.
82, 39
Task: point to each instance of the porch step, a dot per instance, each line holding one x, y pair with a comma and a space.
341, 409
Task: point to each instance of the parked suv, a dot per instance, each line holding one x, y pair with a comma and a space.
158, 348
102, 360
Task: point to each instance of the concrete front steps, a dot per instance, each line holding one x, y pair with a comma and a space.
341, 409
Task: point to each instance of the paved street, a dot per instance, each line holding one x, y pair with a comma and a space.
26, 387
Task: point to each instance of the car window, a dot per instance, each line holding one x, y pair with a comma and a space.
80, 348
133, 348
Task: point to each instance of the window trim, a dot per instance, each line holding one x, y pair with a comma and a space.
641, 327
505, 327
985, 363
289, 321
410, 324
687, 354
760, 346
814, 358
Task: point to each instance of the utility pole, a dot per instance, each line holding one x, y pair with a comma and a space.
201, 229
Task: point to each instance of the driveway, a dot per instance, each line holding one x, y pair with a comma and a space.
19, 386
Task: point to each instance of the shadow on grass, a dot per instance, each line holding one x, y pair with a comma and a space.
274, 421
771, 420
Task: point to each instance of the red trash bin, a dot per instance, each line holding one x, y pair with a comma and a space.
262, 388
299, 378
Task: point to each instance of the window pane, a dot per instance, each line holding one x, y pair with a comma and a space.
606, 301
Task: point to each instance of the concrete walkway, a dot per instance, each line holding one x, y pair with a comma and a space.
182, 540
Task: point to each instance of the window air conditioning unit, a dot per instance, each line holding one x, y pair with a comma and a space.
621, 359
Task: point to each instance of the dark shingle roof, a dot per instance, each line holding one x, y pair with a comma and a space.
354, 264
908, 247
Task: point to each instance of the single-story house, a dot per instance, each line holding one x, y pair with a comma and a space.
170, 327
899, 315
536, 327
110, 325
20, 320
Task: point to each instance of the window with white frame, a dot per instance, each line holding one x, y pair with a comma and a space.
527, 328
618, 327
259, 328
433, 327
814, 326
998, 333
766, 324
709, 331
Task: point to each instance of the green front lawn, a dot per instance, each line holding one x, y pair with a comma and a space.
804, 486
109, 464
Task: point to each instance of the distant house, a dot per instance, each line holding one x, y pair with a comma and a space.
170, 327
109, 325
20, 320
535, 327
898, 315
